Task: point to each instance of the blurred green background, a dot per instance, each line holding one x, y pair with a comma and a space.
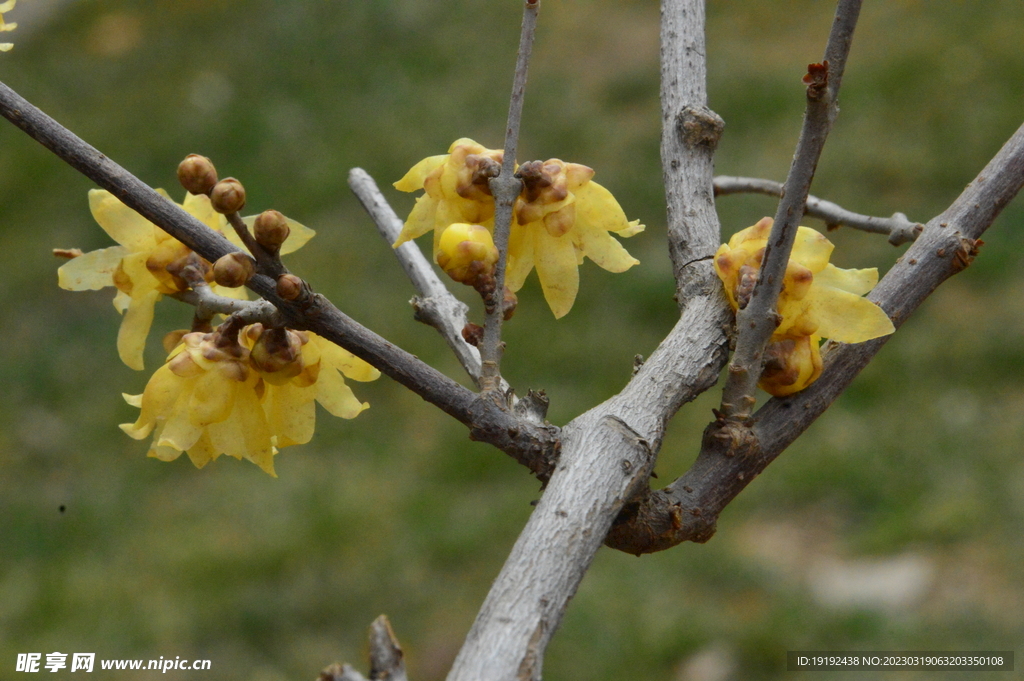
895, 523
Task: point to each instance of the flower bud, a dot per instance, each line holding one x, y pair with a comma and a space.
234, 269
197, 174
467, 252
508, 305
271, 229
289, 286
473, 334
278, 352
228, 196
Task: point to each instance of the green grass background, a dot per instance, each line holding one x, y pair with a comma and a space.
918, 464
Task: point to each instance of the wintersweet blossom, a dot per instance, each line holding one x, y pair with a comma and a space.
298, 368
818, 300
6, 25
217, 396
144, 266
204, 401
560, 217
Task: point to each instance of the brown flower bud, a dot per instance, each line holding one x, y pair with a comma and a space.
278, 350
508, 305
234, 269
228, 196
197, 174
473, 334
271, 229
289, 286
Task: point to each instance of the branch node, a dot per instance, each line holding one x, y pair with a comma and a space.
699, 127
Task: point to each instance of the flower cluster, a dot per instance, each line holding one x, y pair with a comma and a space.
560, 217
245, 396
818, 300
6, 25
146, 264
245, 391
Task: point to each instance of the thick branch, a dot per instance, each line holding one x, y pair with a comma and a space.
898, 228
533, 446
688, 509
689, 136
756, 322
609, 451
505, 188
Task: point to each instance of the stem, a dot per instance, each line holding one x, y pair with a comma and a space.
505, 188
899, 229
757, 321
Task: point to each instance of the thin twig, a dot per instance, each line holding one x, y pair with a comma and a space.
505, 188
386, 657
899, 229
757, 321
533, 446
688, 509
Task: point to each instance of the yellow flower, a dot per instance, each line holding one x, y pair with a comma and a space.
6, 26
215, 397
143, 267
298, 368
818, 300
791, 364
456, 190
204, 401
560, 217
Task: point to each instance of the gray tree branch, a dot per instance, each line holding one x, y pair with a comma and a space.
688, 509
898, 228
756, 322
506, 188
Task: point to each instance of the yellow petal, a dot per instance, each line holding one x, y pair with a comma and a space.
121, 301
336, 357
421, 220
298, 234
634, 228
520, 257
245, 434
811, 249
792, 370
213, 398
199, 207
336, 397
556, 267
291, 413
179, 432
597, 208
91, 271
413, 180
857, 282
164, 453
203, 451
123, 224
131, 337
753, 237
156, 402
603, 249
846, 317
